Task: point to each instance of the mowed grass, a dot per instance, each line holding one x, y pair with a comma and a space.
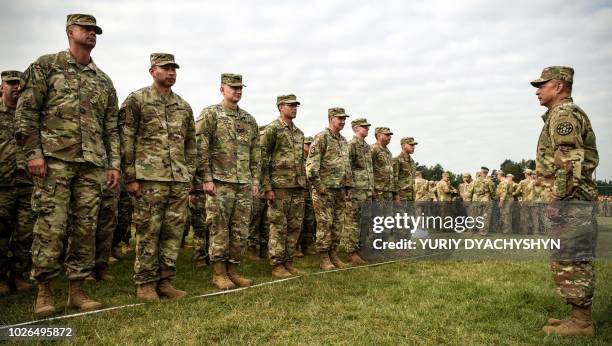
411, 302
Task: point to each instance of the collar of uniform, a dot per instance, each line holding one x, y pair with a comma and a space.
3, 108
337, 136
167, 99
406, 156
70, 59
229, 111
290, 127
562, 102
359, 140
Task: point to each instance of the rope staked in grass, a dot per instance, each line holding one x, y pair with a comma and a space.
211, 294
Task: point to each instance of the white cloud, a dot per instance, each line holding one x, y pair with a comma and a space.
452, 74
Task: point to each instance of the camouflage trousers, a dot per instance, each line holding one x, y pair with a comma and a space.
482, 210
574, 281
16, 224
530, 218
329, 210
285, 214
259, 225
69, 190
159, 220
197, 212
505, 217
406, 195
228, 214
352, 220
525, 220
309, 225
379, 196
124, 219
107, 223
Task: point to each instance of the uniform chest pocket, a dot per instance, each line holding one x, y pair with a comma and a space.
225, 129
150, 121
243, 133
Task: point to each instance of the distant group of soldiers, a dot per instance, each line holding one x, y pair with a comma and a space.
78, 172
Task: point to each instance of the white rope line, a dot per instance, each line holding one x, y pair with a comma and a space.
214, 293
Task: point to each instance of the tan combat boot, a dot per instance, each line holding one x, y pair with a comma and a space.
220, 278
4, 288
45, 302
291, 269
333, 256
78, 299
21, 285
279, 271
556, 321
232, 273
146, 293
252, 253
165, 288
325, 263
309, 250
356, 260
117, 253
578, 324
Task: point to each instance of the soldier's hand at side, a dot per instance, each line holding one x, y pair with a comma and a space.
38, 167
210, 188
254, 191
270, 195
133, 189
112, 178
500, 204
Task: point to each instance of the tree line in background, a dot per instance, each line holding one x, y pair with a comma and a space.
508, 166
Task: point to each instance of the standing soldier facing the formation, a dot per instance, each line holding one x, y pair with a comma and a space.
404, 168
481, 195
283, 180
68, 131
504, 197
158, 157
567, 156
16, 216
329, 171
382, 163
363, 180
228, 159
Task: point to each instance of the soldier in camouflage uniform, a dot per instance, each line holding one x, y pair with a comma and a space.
482, 194
309, 226
541, 196
567, 156
403, 170
523, 192
67, 128
107, 223
259, 225
504, 202
229, 155
122, 233
382, 163
158, 152
283, 179
464, 188
197, 213
16, 216
328, 169
444, 190
363, 179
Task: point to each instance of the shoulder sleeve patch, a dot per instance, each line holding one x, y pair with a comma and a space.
564, 128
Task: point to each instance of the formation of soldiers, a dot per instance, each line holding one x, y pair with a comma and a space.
72, 159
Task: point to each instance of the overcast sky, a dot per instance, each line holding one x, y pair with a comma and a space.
453, 74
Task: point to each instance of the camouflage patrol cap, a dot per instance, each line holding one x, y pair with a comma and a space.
527, 171
232, 79
565, 73
308, 140
446, 174
384, 130
360, 122
337, 112
287, 99
163, 59
510, 175
500, 172
408, 140
83, 20
466, 175
8, 76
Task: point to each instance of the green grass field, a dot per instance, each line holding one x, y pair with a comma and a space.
412, 302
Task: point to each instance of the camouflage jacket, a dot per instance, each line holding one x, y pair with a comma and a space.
541, 192
282, 157
503, 192
228, 146
328, 164
443, 190
403, 170
567, 152
483, 190
382, 162
361, 164
464, 190
157, 137
421, 189
8, 161
523, 191
69, 112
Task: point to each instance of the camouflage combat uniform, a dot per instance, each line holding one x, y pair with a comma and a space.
329, 171
403, 169
384, 182
482, 195
16, 216
283, 172
68, 116
504, 196
159, 151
